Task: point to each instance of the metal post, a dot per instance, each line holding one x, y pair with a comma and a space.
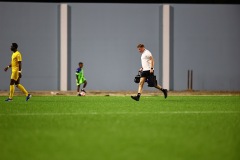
191, 87
188, 81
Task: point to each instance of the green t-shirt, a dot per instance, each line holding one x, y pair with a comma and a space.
80, 76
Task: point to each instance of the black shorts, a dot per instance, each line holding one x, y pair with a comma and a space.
146, 73
150, 78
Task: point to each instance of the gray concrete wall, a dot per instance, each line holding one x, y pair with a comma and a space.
207, 40
104, 36
34, 26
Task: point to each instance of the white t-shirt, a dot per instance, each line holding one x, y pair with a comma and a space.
145, 59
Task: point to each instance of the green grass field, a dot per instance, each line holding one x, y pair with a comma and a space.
118, 128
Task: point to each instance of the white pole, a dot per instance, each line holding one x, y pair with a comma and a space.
63, 46
166, 47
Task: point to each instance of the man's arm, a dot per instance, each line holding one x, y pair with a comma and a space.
20, 69
5, 69
152, 64
20, 66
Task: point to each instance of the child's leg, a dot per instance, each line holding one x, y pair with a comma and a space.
78, 88
85, 84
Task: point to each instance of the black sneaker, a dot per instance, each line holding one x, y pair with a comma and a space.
28, 97
8, 100
83, 90
136, 98
165, 92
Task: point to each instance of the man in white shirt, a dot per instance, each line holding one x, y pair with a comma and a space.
146, 70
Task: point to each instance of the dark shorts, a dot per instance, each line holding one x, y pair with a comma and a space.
150, 78
146, 73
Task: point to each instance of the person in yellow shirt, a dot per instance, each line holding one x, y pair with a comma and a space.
16, 65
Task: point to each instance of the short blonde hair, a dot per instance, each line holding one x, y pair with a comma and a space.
140, 45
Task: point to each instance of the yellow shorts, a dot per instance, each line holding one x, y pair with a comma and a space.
15, 75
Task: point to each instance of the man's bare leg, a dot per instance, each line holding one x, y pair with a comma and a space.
158, 87
140, 88
141, 83
161, 89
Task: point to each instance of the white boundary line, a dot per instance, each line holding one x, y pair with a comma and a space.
121, 113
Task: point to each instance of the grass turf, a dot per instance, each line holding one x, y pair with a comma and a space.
118, 128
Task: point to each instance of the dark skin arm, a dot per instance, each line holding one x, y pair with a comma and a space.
76, 77
20, 68
5, 69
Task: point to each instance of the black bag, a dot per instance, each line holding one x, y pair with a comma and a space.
152, 81
137, 78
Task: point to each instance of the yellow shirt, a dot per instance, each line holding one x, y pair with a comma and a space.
16, 57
